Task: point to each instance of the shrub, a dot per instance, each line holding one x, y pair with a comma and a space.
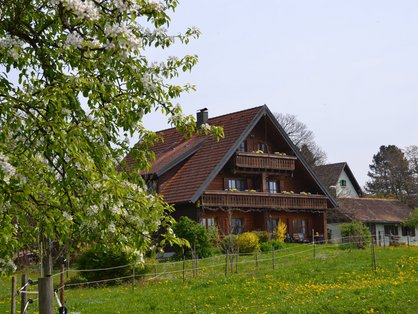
281, 231
98, 257
263, 236
229, 244
197, 236
356, 233
248, 242
273, 244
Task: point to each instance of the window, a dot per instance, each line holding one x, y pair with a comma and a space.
299, 226
272, 224
391, 230
272, 186
343, 183
208, 222
241, 147
408, 231
238, 184
263, 147
236, 225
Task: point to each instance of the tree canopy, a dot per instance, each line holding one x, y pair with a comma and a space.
393, 172
303, 138
74, 77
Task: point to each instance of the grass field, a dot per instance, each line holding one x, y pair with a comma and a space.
335, 281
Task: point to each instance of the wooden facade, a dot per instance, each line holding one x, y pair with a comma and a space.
252, 179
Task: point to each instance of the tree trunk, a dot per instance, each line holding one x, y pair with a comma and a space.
45, 284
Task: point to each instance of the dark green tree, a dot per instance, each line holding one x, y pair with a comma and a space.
390, 174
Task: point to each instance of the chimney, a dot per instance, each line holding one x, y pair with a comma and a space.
202, 117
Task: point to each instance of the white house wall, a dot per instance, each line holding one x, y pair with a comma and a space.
348, 190
380, 237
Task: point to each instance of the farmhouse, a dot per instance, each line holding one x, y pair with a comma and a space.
251, 179
384, 217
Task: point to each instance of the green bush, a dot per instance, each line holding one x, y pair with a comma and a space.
248, 242
263, 236
197, 236
273, 244
229, 243
98, 257
356, 233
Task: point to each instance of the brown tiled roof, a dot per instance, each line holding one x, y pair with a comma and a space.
200, 158
193, 173
329, 175
373, 209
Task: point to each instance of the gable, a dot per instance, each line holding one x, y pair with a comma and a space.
199, 159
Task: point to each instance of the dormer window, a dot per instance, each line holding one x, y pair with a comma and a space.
343, 183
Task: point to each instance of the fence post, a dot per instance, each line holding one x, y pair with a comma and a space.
373, 256
272, 255
13, 304
23, 295
313, 243
62, 282
184, 268
133, 278
46, 298
226, 263
236, 263
256, 260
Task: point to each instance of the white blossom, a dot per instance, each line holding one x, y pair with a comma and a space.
11, 45
6, 266
67, 216
156, 5
123, 36
74, 40
83, 9
111, 228
205, 127
6, 168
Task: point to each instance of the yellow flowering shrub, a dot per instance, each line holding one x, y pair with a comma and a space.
248, 242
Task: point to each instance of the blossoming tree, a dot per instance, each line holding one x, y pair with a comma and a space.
74, 77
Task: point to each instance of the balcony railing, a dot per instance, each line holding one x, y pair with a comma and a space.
264, 161
263, 200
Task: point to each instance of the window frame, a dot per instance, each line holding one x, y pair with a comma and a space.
276, 186
235, 185
390, 228
237, 228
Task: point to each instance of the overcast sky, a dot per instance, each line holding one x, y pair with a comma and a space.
347, 69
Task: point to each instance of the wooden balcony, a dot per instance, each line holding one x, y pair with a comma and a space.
255, 200
264, 161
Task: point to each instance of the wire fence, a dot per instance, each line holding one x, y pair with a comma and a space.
220, 265
216, 266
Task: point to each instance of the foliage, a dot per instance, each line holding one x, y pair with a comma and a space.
196, 235
271, 245
248, 242
75, 75
392, 173
281, 231
303, 138
357, 233
263, 236
230, 243
412, 220
99, 257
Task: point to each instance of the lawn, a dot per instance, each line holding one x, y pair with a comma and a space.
332, 281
